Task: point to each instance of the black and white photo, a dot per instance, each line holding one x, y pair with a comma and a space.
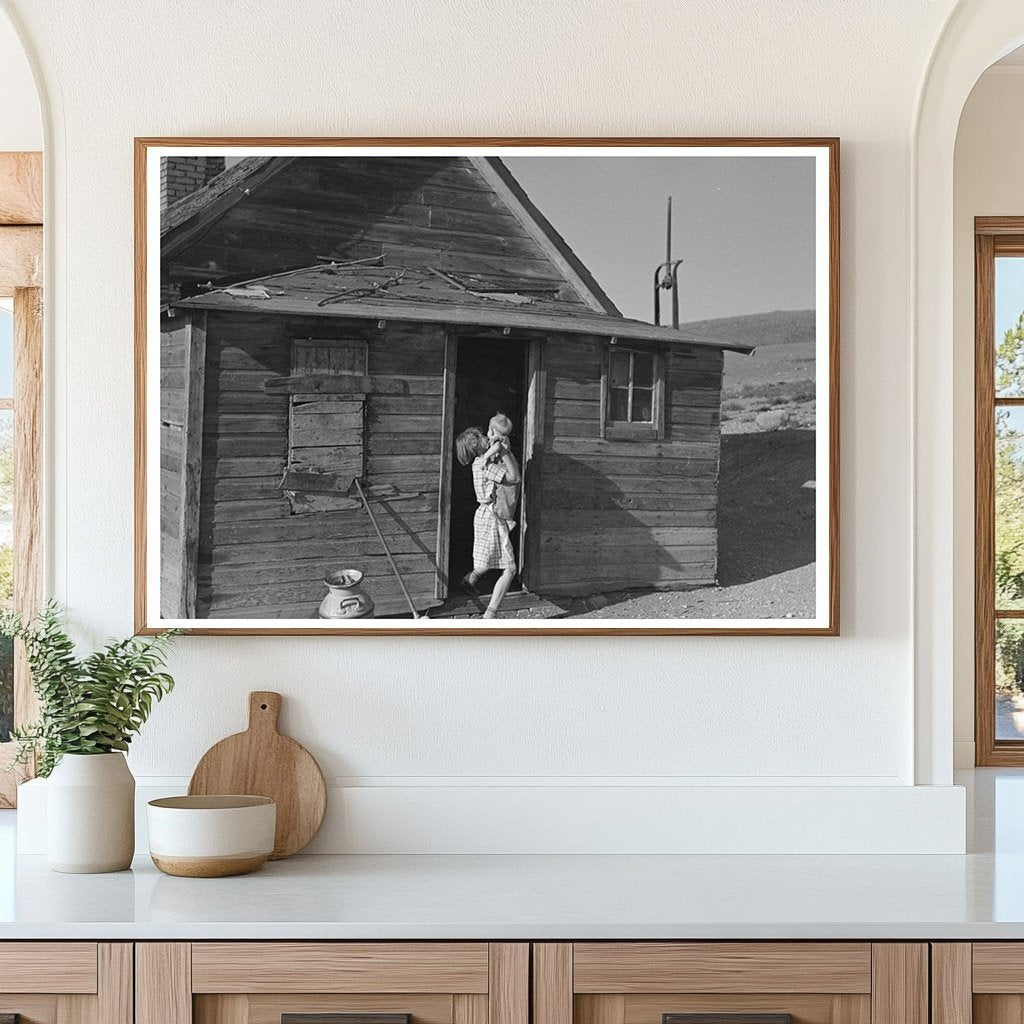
457, 387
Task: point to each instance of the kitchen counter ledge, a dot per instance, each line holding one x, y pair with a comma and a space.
532, 897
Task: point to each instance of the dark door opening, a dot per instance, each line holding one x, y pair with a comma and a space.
490, 376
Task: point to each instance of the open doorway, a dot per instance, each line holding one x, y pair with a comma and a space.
490, 376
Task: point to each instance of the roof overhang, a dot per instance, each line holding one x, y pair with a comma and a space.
477, 316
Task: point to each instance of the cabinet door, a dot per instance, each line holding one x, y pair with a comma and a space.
980, 982
65, 983
332, 983
730, 983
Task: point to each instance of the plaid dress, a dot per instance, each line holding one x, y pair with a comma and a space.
492, 540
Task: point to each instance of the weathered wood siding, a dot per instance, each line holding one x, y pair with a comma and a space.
623, 514
418, 212
256, 559
173, 345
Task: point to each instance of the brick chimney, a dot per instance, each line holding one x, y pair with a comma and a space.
182, 175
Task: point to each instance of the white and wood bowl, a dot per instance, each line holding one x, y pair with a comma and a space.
211, 836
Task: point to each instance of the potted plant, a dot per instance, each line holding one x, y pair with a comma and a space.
89, 710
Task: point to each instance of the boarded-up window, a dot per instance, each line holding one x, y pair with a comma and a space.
325, 429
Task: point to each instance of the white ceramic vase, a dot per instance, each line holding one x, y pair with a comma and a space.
90, 814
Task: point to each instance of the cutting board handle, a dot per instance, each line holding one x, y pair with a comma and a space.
264, 710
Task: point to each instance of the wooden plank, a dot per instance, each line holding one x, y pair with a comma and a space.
225, 1009
985, 753
998, 967
951, 980
163, 983
508, 992
899, 989
594, 447
823, 1008
21, 258
21, 188
28, 483
628, 967
469, 1009
65, 967
586, 481
616, 538
444, 488
192, 463
603, 1009
695, 497
615, 463
557, 520
326, 384
531, 511
115, 983
268, 1009
997, 1009
552, 983
340, 967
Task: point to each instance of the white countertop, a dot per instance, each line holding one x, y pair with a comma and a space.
496, 897
977, 896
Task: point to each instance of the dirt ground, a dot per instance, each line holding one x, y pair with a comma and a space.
784, 595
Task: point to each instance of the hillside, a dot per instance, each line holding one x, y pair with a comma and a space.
779, 374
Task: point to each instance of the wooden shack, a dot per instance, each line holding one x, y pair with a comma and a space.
331, 319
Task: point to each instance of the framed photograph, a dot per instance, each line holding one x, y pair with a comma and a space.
487, 386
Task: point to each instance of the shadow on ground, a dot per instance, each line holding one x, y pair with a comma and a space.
766, 510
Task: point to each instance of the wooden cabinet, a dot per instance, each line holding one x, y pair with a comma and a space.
494, 983
759, 982
978, 983
66, 982
309, 982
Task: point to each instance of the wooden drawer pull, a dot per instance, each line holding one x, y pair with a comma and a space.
339, 1018
727, 1018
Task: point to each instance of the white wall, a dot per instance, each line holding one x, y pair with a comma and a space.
987, 181
435, 715
21, 126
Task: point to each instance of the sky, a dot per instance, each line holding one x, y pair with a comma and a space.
6, 353
743, 225
1009, 293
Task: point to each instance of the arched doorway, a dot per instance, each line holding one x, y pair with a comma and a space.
976, 34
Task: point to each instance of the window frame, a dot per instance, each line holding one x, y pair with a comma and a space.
21, 268
620, 430
994, 237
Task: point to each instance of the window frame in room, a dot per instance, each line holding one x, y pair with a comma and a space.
994, 237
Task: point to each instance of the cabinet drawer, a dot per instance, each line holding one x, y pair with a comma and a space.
340, 967
66, 967
730, 983
634, 967
66, 982
332, 983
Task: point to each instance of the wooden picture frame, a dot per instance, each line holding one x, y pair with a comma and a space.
185, 574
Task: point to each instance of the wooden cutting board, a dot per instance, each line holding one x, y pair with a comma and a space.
262, 762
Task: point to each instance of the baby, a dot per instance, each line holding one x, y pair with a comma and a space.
506, 494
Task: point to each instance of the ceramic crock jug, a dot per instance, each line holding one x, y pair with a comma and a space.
345, 597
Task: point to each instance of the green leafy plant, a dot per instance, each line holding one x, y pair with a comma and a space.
90, 705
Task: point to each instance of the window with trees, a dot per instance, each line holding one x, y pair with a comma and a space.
21, 366
999, 491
